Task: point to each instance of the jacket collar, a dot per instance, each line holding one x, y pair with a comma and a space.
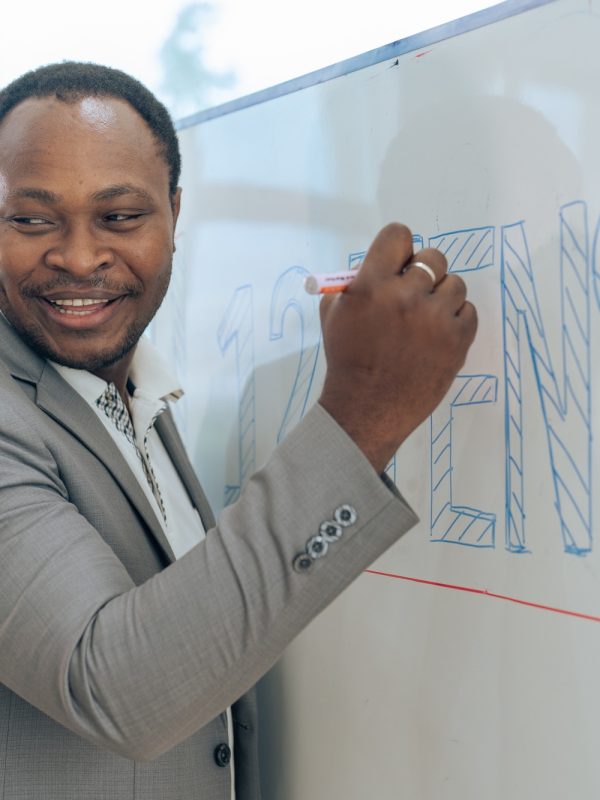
61, 402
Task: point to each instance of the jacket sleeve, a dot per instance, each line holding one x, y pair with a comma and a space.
137, 669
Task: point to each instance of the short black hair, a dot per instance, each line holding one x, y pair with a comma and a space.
73, 80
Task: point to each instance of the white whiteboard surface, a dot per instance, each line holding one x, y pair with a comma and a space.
466, 663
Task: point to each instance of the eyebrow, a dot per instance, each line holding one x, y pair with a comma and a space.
31, 193
120, 189
109, 193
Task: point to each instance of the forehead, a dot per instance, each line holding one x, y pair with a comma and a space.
99, 139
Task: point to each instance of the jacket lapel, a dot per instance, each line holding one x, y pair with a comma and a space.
169, 435
61, 402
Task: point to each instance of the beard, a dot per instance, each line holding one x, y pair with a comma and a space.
33, 334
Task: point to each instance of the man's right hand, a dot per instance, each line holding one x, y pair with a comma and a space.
394, 342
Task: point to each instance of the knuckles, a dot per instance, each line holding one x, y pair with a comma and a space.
456, 285
435, 259
396, 231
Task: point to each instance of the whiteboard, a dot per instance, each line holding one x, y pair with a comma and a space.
465, 663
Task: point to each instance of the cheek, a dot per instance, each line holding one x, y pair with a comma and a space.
152, 263
11, 278
17, 262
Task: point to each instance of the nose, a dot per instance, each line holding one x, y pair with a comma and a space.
80, 252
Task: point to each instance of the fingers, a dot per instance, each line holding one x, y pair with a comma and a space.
468, 315
453, 292
391, 254
420, 278
388, 253
325, 302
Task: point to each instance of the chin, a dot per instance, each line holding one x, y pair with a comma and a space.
92, 362
85, 358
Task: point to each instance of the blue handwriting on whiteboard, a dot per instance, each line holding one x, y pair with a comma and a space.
564, 397
237, 328
566, 403
289, 293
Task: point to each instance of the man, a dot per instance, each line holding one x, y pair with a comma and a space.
132, 628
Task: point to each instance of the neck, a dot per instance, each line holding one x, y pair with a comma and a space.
118, 373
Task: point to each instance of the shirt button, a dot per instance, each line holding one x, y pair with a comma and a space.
222, 755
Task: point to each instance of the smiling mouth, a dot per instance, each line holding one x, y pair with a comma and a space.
80, 306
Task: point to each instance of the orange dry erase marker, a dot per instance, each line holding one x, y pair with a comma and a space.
329, 282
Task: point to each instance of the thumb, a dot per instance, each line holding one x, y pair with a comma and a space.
325, 306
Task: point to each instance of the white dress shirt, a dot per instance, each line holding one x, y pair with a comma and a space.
155, 386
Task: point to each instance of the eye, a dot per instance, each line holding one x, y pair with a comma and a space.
30, 220
121, 217
29, 224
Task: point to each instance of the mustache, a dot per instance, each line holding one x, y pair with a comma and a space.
93, 282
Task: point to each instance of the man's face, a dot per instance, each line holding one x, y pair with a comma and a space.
86, 228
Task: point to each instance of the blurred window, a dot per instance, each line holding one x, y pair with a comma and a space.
194, 55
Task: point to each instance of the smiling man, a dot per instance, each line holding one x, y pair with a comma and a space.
132, 626
87, 262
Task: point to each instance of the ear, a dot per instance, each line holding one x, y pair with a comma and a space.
175, 208
176, 205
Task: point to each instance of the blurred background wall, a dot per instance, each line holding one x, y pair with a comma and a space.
197, 54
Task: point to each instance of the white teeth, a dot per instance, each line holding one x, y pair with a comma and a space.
78, 301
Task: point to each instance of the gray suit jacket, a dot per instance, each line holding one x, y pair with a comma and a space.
116, 662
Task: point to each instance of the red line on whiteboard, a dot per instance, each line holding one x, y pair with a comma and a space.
485, 592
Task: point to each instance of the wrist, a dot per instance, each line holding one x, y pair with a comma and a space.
370, 435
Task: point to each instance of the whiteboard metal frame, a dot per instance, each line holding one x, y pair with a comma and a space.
479, 19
